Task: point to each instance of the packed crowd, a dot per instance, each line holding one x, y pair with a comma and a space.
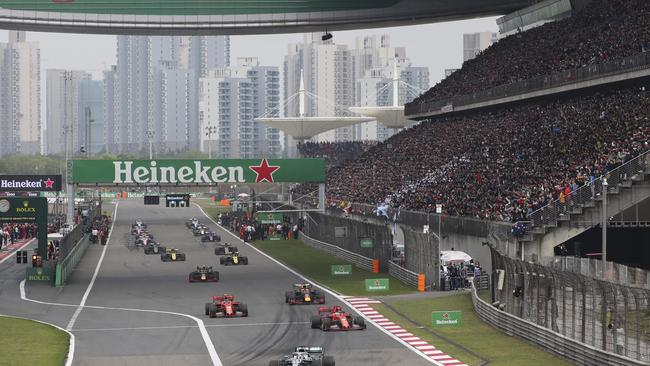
10, 233
99, 229
457, 276
334, 153
605, 30
500, 165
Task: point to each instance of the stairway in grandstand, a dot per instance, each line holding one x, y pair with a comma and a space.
551, 225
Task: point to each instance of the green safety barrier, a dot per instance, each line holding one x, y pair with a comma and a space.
67, 265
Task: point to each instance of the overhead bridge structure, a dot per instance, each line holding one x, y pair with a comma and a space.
214, 17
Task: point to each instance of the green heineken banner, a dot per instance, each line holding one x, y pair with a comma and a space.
366, 243
270, 217
197, 171
341, 269
446, 318
378, 284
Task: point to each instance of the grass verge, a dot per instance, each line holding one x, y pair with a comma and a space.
25, 342
317, 265
484, 341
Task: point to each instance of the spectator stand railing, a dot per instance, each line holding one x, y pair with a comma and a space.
357, 259
589, 192
592, 267
637, 62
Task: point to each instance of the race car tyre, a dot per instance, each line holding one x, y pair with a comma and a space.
244, 260
316, 322
191, 279
244, 309
275, 363
327, 323
207, 308
181, 257
212, 311
361, 322
328, 361
288, 296
163, 258
222, 260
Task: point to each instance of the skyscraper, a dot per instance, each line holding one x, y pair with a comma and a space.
230, 99
63, 112
474, 43
20, 102
91, 116
328, 73
151, 94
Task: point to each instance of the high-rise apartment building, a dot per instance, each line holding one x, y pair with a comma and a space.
91, 116
328, 71
20, 102
229, 101
475, 43
63, 112
152, 92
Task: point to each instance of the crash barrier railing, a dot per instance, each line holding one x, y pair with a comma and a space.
592, 267
611, 318
403, 274
639, 61
357, 259
577, 352
65, 267
590, 191
71, 239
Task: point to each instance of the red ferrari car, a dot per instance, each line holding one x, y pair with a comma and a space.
334, 318
225, 307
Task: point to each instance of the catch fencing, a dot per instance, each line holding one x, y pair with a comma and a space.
591, 267
420, 251
610, 318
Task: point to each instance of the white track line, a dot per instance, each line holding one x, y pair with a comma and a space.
336, 295
71, 343
204, 332
189, 326
14, 252
92, 281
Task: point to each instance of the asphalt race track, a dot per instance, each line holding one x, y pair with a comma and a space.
142, 311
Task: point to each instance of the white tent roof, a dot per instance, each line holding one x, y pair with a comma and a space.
391, 117
303, 128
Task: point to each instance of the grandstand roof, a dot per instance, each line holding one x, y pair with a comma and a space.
391, 117
304, 128
195, 17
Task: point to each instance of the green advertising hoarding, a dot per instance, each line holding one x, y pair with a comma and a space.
366, 243
39, 274
341, 269
446, 318
270, 217
378, 284
205, 172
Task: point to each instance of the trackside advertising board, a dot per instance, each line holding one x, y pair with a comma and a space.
30, 183
341, 269
206, 172
446, 318
378, 284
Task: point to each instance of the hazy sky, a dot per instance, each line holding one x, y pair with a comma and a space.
437, 46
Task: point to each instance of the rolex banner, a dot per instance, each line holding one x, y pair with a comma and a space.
198, 171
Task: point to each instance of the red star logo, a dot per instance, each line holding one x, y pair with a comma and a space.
264, 171
49, 183
445, 315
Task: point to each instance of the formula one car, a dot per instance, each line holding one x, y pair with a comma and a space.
225, 249
305, 356
334, 318
172, 255
304, 293
200, 230
154, 248
204, 274
226, 307
191, 223
144, 239
210, 237
234, 258
139, 223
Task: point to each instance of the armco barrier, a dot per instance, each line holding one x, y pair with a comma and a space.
357, 259
67, 265
403, 274
565, 347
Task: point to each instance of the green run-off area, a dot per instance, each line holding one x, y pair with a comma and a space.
24, 342
317, 265
193, 7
